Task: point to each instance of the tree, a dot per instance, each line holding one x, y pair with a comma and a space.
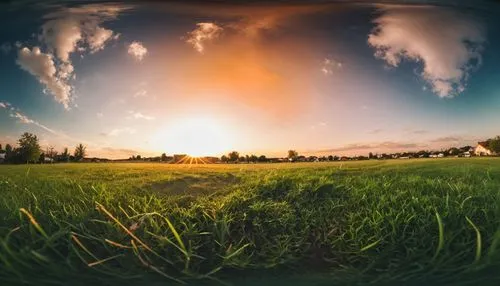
9, 153
50, 152
29, 149
330, 158
163, 157
80, 152
494, 144
41, 158
370, 156
233, 156
0, 147
292, 155
65, 155
224, 159
254, 158
262, 158
138, 157
453, 151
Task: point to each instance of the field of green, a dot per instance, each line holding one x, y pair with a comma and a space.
396, 222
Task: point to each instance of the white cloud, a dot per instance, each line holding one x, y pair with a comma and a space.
65, 70
330, 65
65, 31
119, 131
42, 66
26, 120
22, 118
446, 42
16, 113
141, 93
138, 115
61, 36
70, 29
98, 37
203, 33
137, 50
100, 115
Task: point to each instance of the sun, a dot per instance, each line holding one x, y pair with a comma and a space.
196, 137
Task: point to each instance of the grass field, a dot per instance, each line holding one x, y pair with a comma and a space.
399, 222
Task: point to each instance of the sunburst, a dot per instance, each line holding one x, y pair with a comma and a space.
190, 160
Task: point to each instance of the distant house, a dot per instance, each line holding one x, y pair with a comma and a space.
482, 149
2, 157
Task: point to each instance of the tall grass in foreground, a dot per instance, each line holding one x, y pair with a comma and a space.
374, 223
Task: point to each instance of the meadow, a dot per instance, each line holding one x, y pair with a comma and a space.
394, 222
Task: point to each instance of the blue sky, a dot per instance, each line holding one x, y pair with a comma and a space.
126, 79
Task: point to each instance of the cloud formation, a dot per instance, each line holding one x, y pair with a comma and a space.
447, 139
388, 145
42, 66
138, 115
141, 93
119, 131
204, 32
22, 118
78, 27
446, 42
64, 32
330, 65
137, 50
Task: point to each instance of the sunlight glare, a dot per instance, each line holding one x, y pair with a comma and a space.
195, 137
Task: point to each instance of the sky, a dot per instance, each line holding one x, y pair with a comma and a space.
260, 77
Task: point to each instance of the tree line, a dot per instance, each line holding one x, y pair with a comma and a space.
28, 150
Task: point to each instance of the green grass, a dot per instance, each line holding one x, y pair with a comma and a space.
398, 222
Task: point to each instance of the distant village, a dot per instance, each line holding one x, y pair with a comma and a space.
481, 149
30, 152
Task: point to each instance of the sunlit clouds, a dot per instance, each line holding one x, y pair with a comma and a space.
139, 115
448, 44
22, 118
120, 131
78, 27
330, 65
205, 32
339, 77
137, 50
42, 66
141, 93
64, 32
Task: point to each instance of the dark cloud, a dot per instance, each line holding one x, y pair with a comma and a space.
376, 131
374, 147
447, 139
